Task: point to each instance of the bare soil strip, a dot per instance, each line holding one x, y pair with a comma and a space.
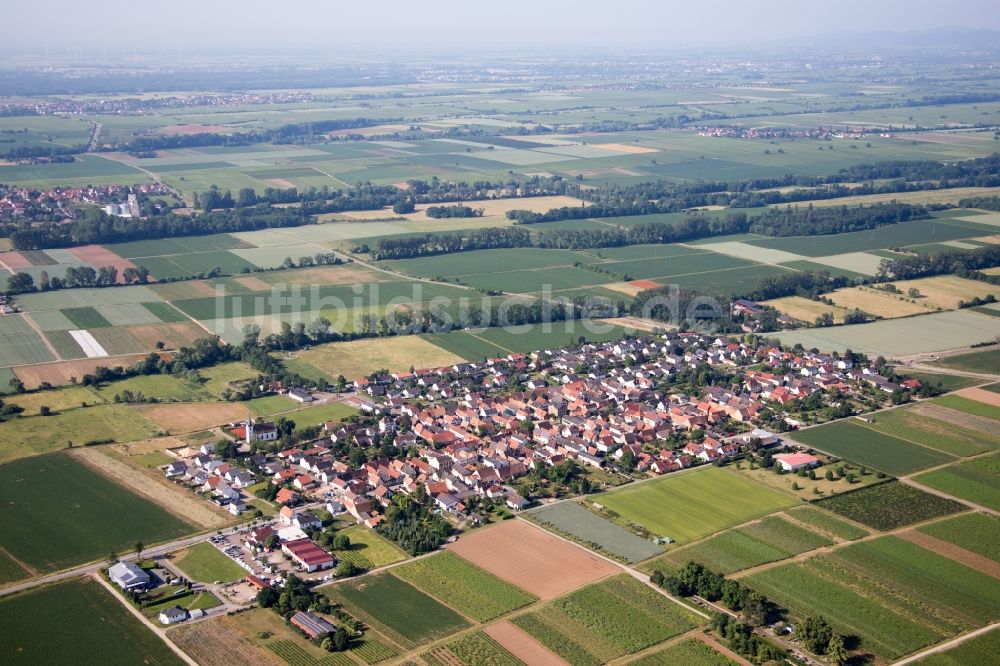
952, 552
980, 395
179, 502
532, 559
949, 415
28, 570
522, 645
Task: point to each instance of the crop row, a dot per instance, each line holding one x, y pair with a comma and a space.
373, 651
478, 649
464, 586
549, 636
886, 506
293, 655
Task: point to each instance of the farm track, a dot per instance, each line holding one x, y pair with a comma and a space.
953, 552
933, 491
45, 340
947, 645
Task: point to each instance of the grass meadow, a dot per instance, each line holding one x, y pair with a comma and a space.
687, 506
206, 563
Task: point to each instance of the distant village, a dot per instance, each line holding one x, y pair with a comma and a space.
61, 203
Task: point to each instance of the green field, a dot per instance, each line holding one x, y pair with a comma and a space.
369, 550
10, 570
41, 434
952, 438
333, 411
923, 596
166, 388
987, 360
594, 531
79, 516
768, 540
475, 649
20, 344
94, 628
886, 506
826, 522
269, 404
86, 317
606, 620
694, 504
495, 342
396, 609
464, 586
206, 563
691, 652
979, 651
975, 480
869, 447
968, 406
976, 532
945, 381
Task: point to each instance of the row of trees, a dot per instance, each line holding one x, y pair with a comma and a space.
966, 263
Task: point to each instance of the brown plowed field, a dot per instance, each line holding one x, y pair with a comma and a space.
953, 552
980, 395
189, 417
532, 559
100, 256
522, 645
59, 373
14, 260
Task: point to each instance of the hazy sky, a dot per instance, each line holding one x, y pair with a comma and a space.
276, 24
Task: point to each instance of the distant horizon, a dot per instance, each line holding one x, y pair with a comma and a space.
296, 25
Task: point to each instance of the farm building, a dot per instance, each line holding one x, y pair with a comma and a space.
128, 575
300, 395
312, 625
308, 555
793, 462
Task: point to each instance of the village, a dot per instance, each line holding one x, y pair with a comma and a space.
61, 203
478, 437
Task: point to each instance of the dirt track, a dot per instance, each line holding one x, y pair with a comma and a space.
177, 501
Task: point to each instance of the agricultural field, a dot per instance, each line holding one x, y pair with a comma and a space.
945, 291
476, 649
933, 332
805, 309
924, 596
690, 652
465, 587
945, 381
948, 437
81, 517
396, 609
987, 360
87, 616
359, 358
32, 435
872, 448
206, 563
606, 620
499, 342
712, 499
977, 480
768, 540
979, 651
877, 302
887, 506
593, 531
369, 550
531, 559
969, 406
826, 523
976, 532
